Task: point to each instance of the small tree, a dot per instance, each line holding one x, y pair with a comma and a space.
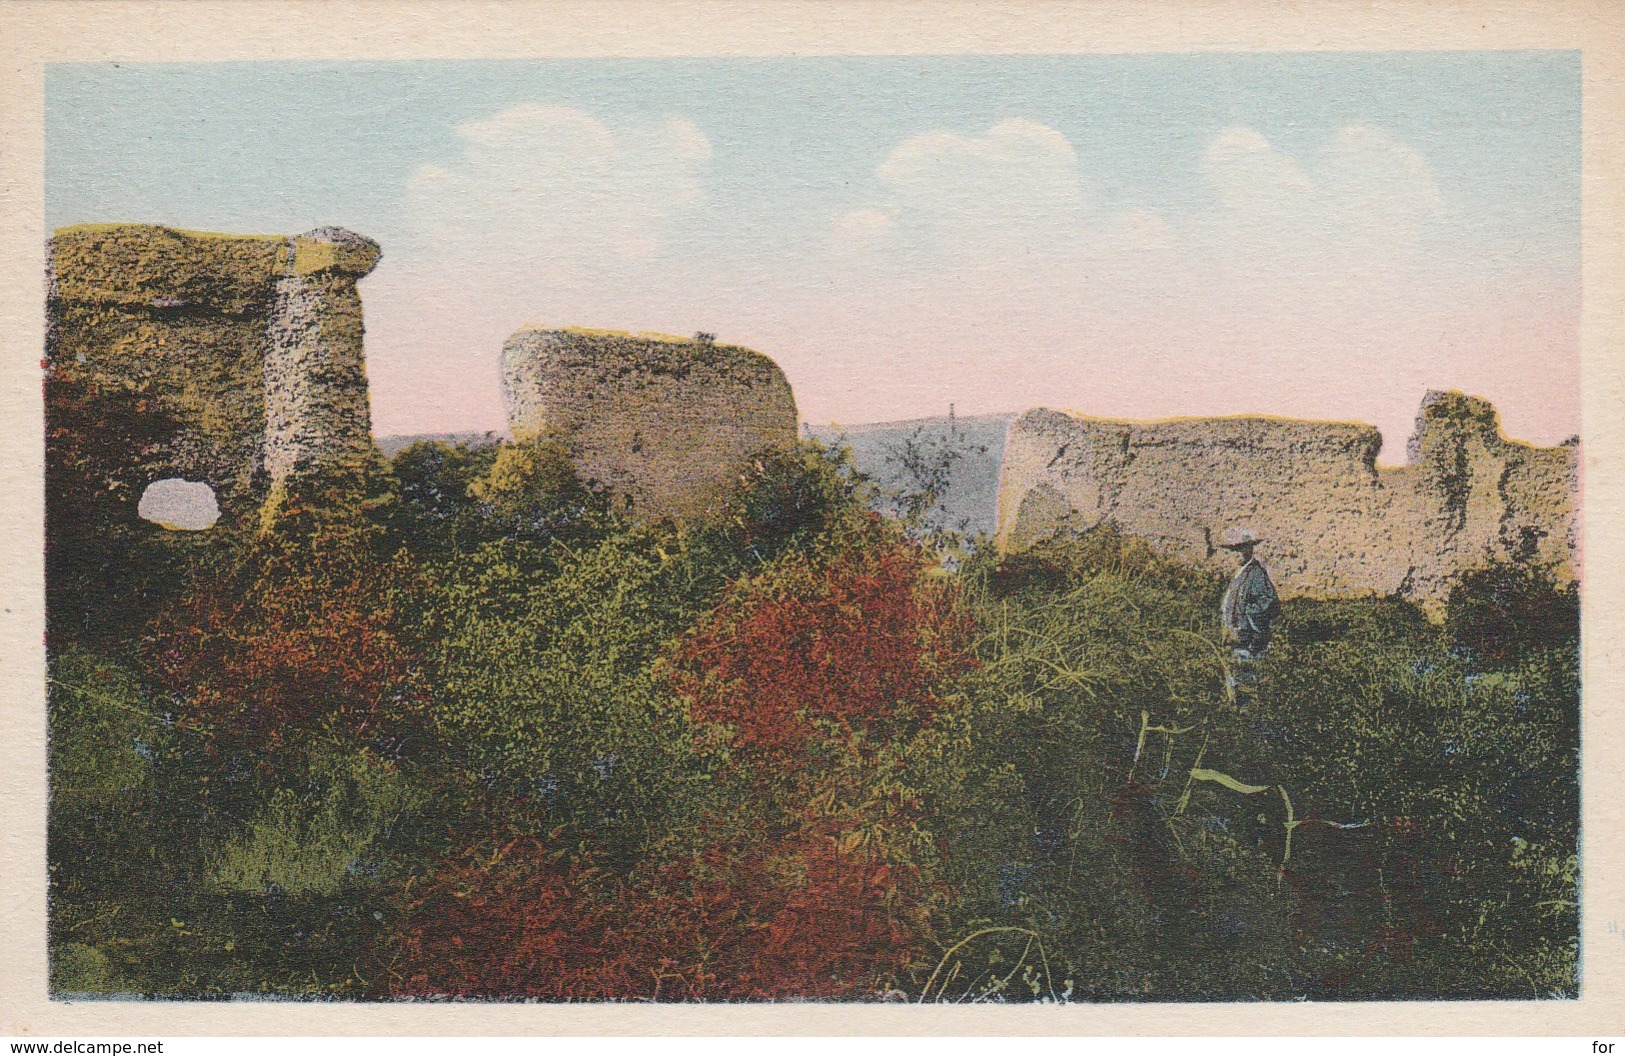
531, 489
925, 461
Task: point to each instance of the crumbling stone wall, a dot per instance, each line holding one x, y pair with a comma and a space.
665, 423
1334, 523
250, 346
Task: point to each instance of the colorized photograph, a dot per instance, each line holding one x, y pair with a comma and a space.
926, 529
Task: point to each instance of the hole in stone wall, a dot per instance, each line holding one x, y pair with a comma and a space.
180, 505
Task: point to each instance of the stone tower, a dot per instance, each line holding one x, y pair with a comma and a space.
667, 424
249, 346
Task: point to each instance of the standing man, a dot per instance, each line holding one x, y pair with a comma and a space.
1250, 604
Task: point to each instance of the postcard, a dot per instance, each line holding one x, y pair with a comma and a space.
993, 528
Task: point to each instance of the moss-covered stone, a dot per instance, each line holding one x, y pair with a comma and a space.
143, 266
248, 347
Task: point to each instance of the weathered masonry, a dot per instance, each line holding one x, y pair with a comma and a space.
247, 348
1334, 522
667, 424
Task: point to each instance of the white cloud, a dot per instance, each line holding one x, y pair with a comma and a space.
1351, 217
1001, 225
1362, 169
1003, 222
1377, 182
1249, 174
1363, 175
555, 191
1010, 206
1018, 174
540, 214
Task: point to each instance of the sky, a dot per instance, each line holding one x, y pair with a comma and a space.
1322, 235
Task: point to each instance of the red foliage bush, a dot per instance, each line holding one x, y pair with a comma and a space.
840, 925
298, 637
514, 923
790, 918
862, 643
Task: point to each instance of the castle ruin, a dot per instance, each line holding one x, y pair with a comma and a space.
1333, 521
666, 424
249, 347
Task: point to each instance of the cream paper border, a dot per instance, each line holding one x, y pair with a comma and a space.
35, 33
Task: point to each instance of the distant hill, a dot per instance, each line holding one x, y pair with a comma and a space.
394, 445
970, 449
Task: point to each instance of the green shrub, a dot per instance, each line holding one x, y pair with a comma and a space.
103, 735
800, 499
80, 969
545, 702
437, 517
316, 840
1060, 563
531, 491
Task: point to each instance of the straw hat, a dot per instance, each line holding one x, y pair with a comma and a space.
1238, 538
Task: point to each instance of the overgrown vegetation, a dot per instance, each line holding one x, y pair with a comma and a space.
481, 737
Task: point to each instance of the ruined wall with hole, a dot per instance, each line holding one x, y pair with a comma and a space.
665, 423
245, 352
1334, 523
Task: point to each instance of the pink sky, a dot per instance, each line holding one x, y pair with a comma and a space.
986, 275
